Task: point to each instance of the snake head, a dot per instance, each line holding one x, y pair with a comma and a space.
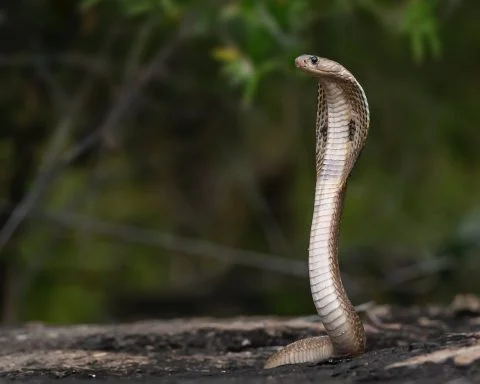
319, 66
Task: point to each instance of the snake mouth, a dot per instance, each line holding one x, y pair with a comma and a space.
301, 62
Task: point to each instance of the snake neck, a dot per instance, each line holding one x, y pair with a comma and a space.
335, 160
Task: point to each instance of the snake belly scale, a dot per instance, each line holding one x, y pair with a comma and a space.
342, 124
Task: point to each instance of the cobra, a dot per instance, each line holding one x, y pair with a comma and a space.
342, 125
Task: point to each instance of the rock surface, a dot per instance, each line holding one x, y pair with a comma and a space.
405, 345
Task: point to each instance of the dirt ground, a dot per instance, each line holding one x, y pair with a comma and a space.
405, 345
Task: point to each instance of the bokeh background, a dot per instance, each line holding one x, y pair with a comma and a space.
157, 155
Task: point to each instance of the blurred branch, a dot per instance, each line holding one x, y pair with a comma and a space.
132, 90
44, 255
45, 176
73, 59
106, 130
263, 261
423, 268
138, 46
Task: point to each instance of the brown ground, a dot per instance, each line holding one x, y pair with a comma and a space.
428, 345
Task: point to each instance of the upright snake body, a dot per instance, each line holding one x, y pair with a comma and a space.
341, 131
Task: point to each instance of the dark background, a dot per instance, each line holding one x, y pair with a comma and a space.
158, 155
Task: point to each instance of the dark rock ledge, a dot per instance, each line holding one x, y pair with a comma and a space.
405, 345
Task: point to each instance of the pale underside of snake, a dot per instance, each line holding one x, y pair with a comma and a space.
342, 124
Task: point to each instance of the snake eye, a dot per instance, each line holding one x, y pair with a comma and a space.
314, 59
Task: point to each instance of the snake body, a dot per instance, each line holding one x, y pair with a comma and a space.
341, 130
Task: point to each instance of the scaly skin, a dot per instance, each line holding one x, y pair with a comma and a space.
341, 131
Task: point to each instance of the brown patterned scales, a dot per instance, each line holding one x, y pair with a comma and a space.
341, 131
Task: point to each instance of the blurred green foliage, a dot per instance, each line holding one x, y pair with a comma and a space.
203, 128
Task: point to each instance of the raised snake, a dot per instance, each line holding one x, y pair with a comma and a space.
342, 124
